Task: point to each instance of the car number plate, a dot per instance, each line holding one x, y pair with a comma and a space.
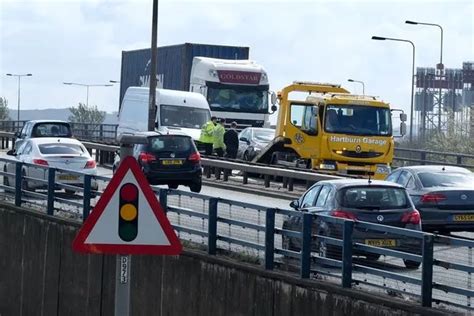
463, 218
68, 177
381, 242
172, 162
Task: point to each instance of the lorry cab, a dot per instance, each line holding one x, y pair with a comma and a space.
175, 111
333, 131
235, 89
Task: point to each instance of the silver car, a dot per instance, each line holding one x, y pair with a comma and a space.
61, 153
252, 140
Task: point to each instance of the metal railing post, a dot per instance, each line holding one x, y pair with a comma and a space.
269, 238
423, 158
347, 253
306, 246
427, 272
212, 226
86, 206
164, 199
51, 185
18, 180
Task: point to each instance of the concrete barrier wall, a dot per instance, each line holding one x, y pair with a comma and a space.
40, 275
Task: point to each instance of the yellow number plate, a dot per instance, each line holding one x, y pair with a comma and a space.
464, 218
68, 177
172, 162
381, 242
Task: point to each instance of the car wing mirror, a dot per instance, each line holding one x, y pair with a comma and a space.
244, 139
17, 134
295, 204
11, 152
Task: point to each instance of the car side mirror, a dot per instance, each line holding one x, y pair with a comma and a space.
11, 152
244, 139
295, 204
273, 108
17, 134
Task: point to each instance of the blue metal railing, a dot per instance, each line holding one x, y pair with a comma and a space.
223, 225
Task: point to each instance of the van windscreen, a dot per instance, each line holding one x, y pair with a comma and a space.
183, 116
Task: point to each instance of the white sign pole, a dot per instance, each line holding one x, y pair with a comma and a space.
122, 285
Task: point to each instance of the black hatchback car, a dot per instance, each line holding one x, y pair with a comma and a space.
170, 159
378, 202
443, 195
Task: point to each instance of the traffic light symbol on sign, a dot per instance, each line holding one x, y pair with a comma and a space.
128, 212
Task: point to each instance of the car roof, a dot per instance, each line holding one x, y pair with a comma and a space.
161, 133
342, 183
435, 168
51, 140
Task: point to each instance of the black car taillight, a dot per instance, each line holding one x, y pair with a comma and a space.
194, 157
432, 198
146, 157
412, 217
344, 214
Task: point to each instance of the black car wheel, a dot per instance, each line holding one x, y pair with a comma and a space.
372, 256
329, 251
411, 264
5, 178
24, 182
173, 186
196, 186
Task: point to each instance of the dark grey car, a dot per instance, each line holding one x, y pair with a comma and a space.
379, 202
443, 195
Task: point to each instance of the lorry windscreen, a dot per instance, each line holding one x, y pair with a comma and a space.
183, 116
237, 98
358, 120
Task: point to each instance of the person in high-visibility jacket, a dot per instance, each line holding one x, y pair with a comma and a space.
207, 132
219, 131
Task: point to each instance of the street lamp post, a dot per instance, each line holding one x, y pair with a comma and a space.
440, 66
19, 85
358, 81
87, 88
379, 38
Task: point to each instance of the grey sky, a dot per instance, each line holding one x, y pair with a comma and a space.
328, 41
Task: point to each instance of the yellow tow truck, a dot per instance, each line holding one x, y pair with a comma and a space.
332, 130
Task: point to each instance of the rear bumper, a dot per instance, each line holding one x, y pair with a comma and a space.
174, 177
444, 220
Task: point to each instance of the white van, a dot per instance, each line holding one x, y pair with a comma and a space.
177, 112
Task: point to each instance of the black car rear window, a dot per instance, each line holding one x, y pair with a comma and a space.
170, 143
377, 198
60, 149
51, 130
439, 179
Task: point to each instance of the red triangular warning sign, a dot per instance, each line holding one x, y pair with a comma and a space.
128, 219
